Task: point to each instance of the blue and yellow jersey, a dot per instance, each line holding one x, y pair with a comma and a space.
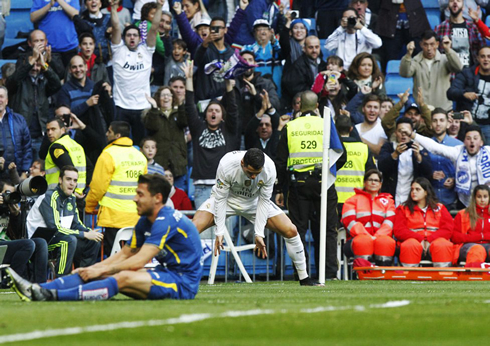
177, 238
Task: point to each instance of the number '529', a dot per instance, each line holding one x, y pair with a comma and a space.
308, 144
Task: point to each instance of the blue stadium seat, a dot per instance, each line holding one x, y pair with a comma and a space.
18, 21
12, 42
21, 4
393, 68
326, 53
128, 4
396, 85
434, 18
430, 4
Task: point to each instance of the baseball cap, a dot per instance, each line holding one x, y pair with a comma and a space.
261, 22
204, 21
413, 106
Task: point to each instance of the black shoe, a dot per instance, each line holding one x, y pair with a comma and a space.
20, 285
43, 294
310, 282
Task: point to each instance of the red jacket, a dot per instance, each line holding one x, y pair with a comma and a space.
181, 200
463, 233
423, 226
363, 215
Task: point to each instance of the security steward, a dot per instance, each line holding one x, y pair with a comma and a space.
299, 163
359, 161
117, 171
63, 151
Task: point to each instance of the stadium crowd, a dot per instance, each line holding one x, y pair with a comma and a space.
170, 87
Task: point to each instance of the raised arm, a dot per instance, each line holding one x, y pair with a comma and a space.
151, 39
69, 10
37, 15
116, 28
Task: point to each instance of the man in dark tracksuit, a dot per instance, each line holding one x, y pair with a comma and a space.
57, 210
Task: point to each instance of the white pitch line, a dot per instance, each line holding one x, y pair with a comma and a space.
40, 334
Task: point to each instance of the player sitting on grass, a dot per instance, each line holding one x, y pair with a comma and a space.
161, 232
244, 184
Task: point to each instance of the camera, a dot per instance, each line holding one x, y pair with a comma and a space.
351, 22
215, 29
294, 15
409, 144
458, 115
11, 197
67, 119
32, 186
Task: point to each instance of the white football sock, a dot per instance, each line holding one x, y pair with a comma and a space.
296, 251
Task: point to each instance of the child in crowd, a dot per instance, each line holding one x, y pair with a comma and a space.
149, 149
178, 196
174, 63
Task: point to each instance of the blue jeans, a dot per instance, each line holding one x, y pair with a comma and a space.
20, 251
201, 194
36, 145
485, 129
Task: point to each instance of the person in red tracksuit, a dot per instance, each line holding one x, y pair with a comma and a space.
423, 227
368, 218
472, 229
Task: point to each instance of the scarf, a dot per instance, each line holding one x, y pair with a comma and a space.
90, 64
119, 9
463, 173
296, 49
143, 25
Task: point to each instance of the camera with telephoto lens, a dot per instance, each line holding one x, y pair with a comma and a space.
351, 22
32, 186
11, 197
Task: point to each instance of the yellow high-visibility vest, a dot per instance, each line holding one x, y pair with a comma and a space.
305, 143
77, 155
352, 173
129, 165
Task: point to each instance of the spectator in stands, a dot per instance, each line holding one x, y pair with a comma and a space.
30, 88
148, 12
213, 50
465, 39
132, 69
443, 169
15, 140
469, 159
468, 6
212, 137
370, 130
37, 169
471, 231
148, 147
251, 86
195, 38
177, 84
470, 91
328, 87
482, 27
423, 227
329, 13
359, 160
175, 62
434, 77
368, 19
100, 24
386, 105
165, 35
364, 70
368, 217
4, 12
352, 38
165, 122
292, 39
8, 69
55, 18
123, 13
263, 129
402, 22
178, 196
267, 50
301, 76
418, 112
96, 71
402, 161
194, 11
138, 5
335, 69
259, 9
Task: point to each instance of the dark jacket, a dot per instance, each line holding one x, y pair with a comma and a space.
27, 96
252, 139
209, 86
21, 139
389, 167
211, 145
465, 81
169, 136
74, 95
388, 14
99, 27
250, 105
264, 9
299, 77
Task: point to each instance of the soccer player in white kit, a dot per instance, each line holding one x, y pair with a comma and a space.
244, 185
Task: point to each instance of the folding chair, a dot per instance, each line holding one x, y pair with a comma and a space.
124, 234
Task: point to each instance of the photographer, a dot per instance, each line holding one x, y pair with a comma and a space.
20, 251
351, 38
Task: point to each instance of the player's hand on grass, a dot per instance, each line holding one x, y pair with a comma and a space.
260, 247
218, 245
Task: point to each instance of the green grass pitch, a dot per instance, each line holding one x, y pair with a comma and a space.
281, 313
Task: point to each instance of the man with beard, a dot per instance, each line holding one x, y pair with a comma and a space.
251, 87
117, 171
370, 130
464, 34
213, 50
444, 172
430, 69
161, 232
